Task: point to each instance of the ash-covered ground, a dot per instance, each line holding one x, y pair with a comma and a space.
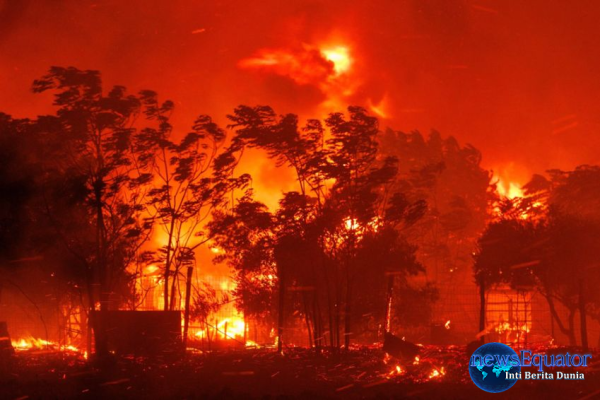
438, 373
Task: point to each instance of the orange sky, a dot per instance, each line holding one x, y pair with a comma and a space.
517, 79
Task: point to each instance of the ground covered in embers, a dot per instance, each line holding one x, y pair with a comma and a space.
438, 373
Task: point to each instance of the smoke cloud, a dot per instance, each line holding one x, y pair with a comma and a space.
516, 79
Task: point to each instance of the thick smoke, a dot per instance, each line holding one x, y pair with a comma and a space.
516, 79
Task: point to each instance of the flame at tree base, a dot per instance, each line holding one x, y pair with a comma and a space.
36, 344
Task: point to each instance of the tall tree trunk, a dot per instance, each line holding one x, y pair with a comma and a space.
281, 310
482, 308
348, 317
88, 334
388, 305
307, 320
186, 314
572, 340
89, 309
583, 315
317, 331
174, 285
337, 309
169, 261
330, 308
100, 280
555, 317
166, 287
336, 317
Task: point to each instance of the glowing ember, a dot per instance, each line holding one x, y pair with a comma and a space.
397, 370
437, 373
386, 358
447, 324
350, 224
507, 327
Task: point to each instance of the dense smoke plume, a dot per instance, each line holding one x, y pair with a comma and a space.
516, 79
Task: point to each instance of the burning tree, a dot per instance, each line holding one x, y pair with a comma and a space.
507, 250
97, 154
188, 184
244, 237
458, 192
318, 231
570, 272
547, 241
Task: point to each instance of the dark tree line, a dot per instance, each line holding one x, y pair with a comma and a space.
87, 186
96, 177
547, 241
335, 242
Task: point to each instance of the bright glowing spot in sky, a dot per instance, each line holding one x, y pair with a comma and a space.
340, 57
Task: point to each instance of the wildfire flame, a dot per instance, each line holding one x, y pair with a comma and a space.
31, 343
397, 370
350, 224
510, 190
514, 192
507, 327
386, 358
437, 373
231, 328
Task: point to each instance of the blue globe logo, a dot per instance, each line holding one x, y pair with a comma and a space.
492, 377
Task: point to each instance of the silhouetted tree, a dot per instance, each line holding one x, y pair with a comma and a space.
244, 238
547, 239
185, 192
571, 202
458, 192
342, 198
507, 252
18, 170
95, 146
